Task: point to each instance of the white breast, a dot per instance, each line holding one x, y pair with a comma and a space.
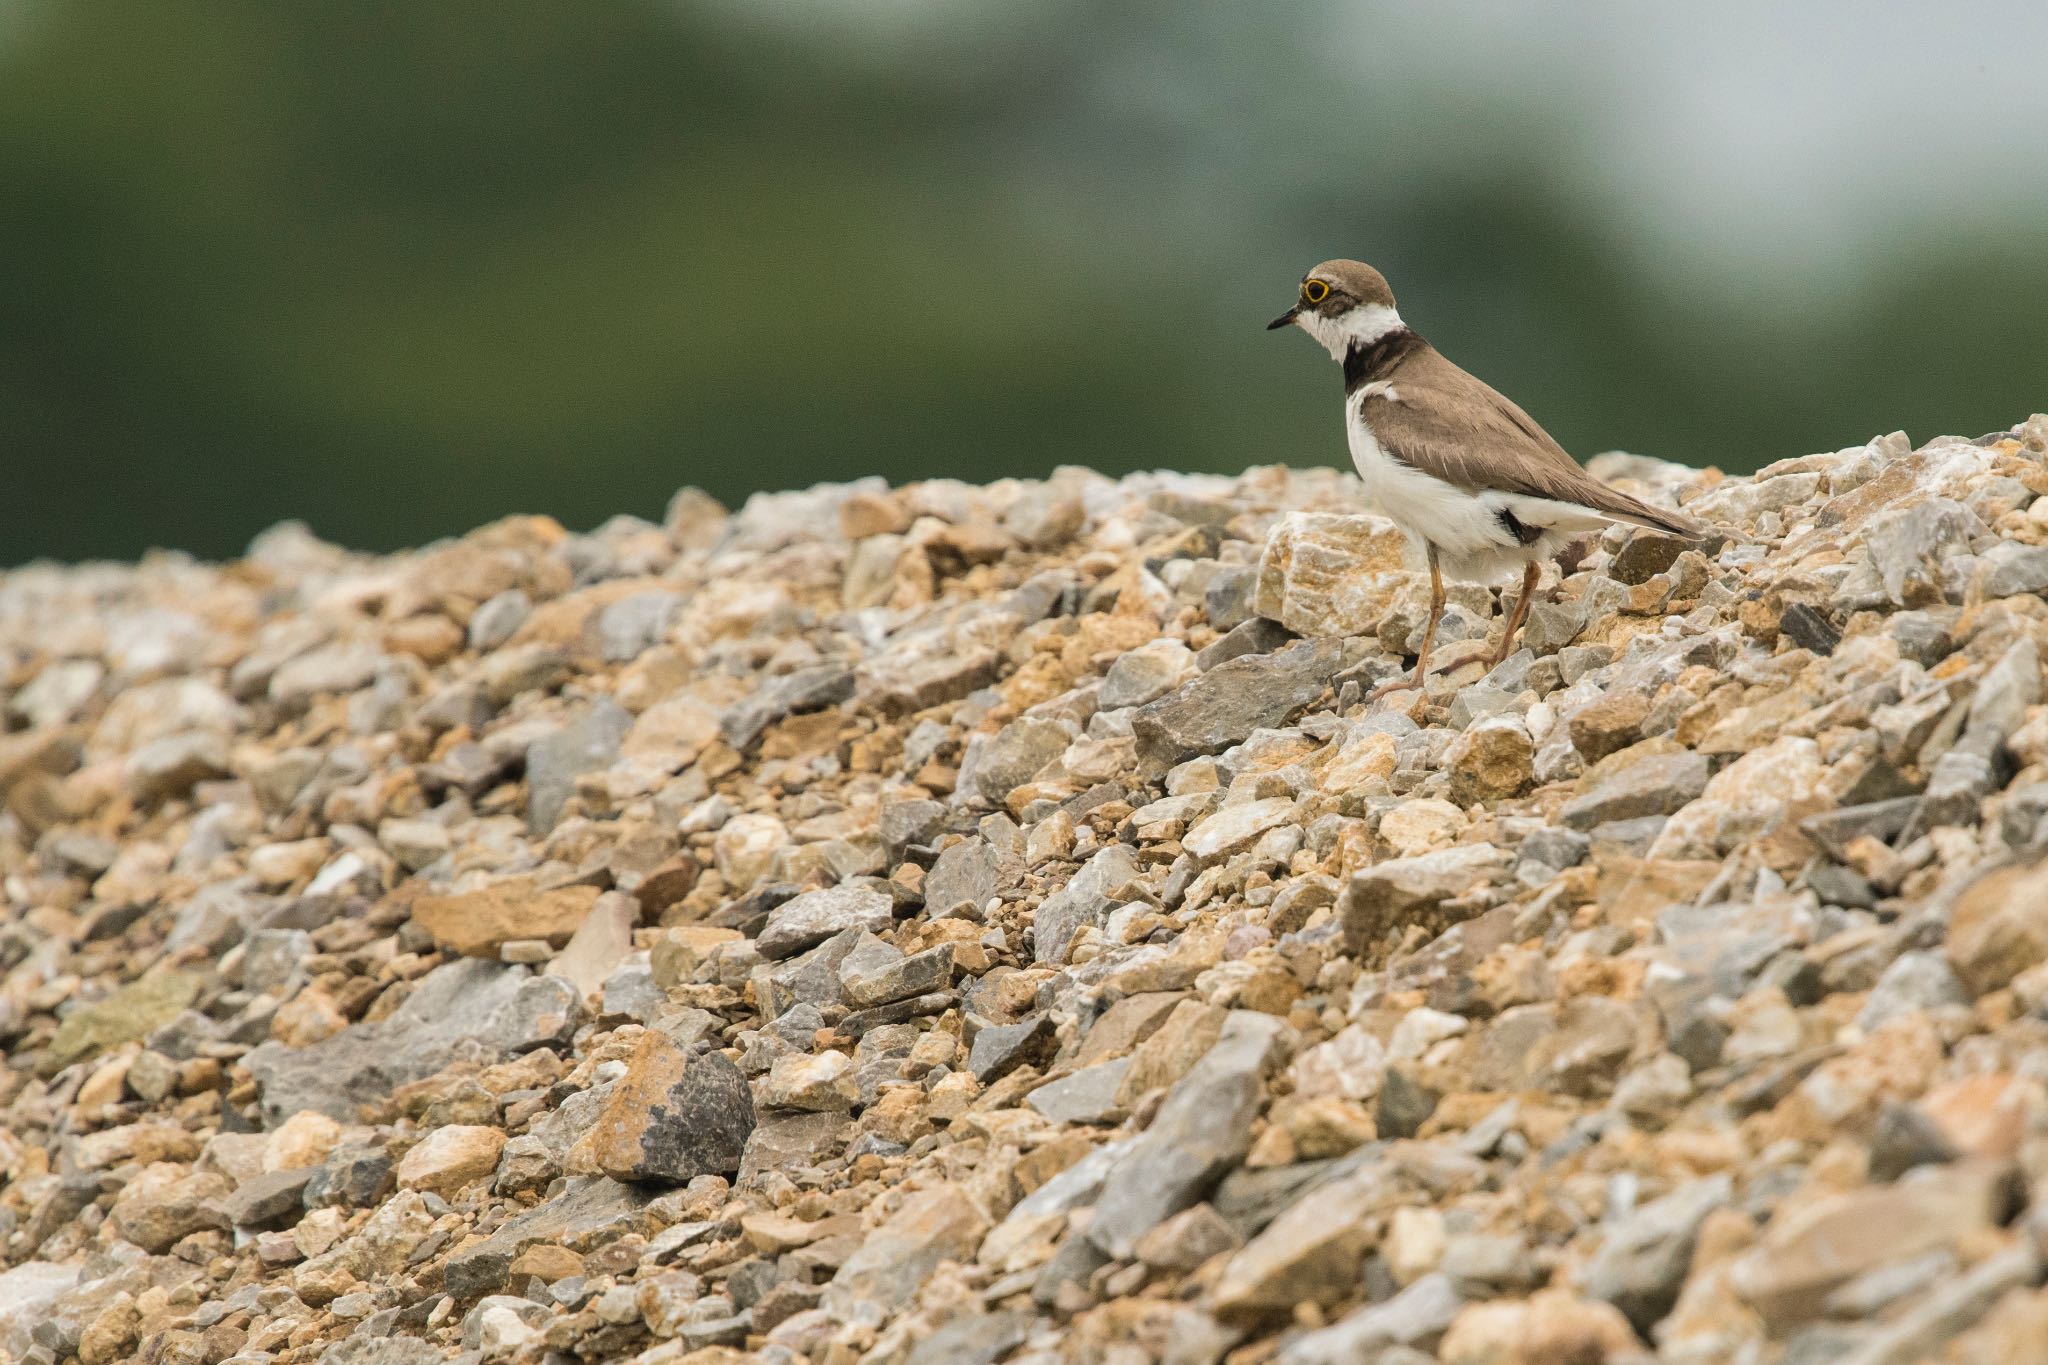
1458, 523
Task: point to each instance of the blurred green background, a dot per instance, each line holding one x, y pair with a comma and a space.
397, 268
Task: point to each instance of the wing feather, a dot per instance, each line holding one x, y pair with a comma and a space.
1450, 425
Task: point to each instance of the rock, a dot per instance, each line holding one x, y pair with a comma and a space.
807, 689
1311, 1252
543, 1012
672, 1118
165, 1203
1609, 724
1804, 1257
589, 1205
1491, 761
869, 984
1089, 1095
1417, 1316
1391, 895
1014, 757
478, 923
172, 766
1200, 1132
125, 1016
1653, 784
1107, 878
1550, 1327
374, 1350
934, 1225
821, 1083
815, 916
1234, 827
1000, 1049
1329, 575
1224, 705
973, 1339
1998, 927
266, 1199
364, 1062
1146, 673
587, 743
964, 879
2009, 570
1642, 1261
1914, 982
447, 1159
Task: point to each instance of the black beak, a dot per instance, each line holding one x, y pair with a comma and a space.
1283, 319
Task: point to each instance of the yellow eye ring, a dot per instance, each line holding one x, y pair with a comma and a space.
1314, 291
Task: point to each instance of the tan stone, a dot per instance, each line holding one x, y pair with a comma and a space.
1490, 761
447, 1159
302, 1140
1554, 1327
1999, 927
477, 923
1806, 1254
547, 1262
1178, 1042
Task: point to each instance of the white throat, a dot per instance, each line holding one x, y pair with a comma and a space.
1363, 325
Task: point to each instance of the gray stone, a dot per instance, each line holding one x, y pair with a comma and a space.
815, 916
1415, 1317
632, 625
2009, 569
673, 1117
786, 1142
1643, 1260
498, 619
352, 1177
1256, 636
1224, 705
543, 1011
1655, 784
587, 743
630, 991
1227, 599
1912, 550
365, 1061
1086, 1096
367, 1348
274, 959
1013, 757
1914, 981
1108, 878
878, 982
1905, 1137
1389, 896
807, 689
1000, 1049
964, 879
589, 1205
172, 766
973, 1339
1145, 673
911, 822
1202, 1130
274, 1196
1403, 1105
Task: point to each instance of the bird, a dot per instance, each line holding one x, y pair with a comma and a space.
1465, 474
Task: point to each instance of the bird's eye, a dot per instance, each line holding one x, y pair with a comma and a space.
1314, 291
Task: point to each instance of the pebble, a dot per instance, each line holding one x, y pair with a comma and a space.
952, 923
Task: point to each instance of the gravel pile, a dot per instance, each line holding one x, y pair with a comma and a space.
948, 925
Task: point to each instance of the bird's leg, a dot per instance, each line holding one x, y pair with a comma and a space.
1507, 641
1436, 613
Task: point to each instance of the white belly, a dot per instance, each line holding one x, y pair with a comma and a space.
1466, 528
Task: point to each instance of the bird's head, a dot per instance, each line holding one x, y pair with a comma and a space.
1342, 302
